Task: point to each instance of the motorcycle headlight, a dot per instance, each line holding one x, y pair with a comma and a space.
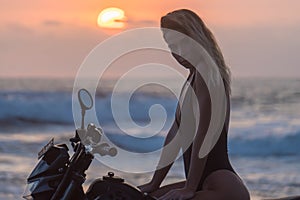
29, 189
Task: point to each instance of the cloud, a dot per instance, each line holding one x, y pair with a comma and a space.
18, 28
52, 23
147, 22
140, 23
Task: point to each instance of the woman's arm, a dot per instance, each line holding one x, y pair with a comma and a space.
197, 164
166, 155
163, 167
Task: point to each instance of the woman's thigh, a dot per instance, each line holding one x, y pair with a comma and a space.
220, 185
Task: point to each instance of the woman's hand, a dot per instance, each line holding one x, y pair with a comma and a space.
148, 187
178, 194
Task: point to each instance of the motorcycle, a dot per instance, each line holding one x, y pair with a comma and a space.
59, 176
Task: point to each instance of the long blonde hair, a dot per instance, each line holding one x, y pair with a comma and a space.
191, 24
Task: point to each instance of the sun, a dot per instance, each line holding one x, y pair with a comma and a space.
111, 18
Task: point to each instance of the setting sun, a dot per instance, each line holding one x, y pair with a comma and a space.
111, 18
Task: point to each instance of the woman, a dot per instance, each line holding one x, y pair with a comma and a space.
210, 176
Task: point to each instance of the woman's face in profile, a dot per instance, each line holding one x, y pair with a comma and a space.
178, 43
182, 61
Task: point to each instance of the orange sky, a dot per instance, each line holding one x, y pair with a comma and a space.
51, 38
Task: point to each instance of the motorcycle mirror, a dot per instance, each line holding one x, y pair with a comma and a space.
86, 103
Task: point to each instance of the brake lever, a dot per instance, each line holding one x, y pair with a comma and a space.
104, 149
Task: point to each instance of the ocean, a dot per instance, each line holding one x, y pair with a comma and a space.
264, 134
